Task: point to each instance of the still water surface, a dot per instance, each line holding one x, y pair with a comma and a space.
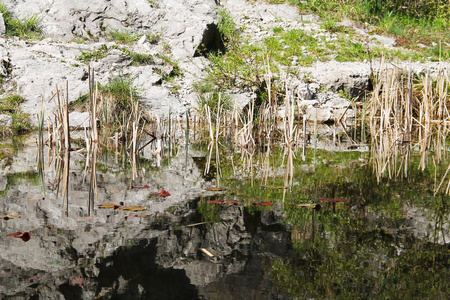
386, 241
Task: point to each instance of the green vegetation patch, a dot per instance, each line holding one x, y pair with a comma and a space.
26, 28
411, 22
136, 58
123, 36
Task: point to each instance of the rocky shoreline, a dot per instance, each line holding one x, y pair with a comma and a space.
33, 68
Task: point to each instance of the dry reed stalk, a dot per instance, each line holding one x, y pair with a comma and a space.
390, 117
397, 107
61, 119
214, 131
289, 132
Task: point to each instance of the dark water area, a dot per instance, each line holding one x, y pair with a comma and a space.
385, 241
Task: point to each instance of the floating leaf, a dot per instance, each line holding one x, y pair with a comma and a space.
140, 216
132, 208
214, 189
108, 205
232, 202
33, 277
7, 217
206, 252
324, 199
310, 205
218, 202
74, 281
163, 194
266, 203
15, 234
35, 198
140, 187
25, 236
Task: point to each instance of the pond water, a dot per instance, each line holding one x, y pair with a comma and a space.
387, 240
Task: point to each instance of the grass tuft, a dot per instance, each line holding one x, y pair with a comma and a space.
123, 36
26, 28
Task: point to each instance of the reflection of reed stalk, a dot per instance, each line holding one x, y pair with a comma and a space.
214, 129
93, 191
65, 181
41, 146
136, 115
93, 93
289, 133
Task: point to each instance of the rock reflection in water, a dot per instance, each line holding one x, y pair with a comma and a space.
114, 254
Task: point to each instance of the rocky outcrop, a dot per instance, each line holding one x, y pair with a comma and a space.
184, 31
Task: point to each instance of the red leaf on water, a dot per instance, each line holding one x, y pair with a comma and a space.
25, 236
140, 187
76, 281
324, 199
15, 234
33, 277
339, 200
163, 194
263, 203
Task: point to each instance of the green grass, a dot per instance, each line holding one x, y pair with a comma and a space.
227, 28
121, 88
137, 59
29, 27
123, 36
414, 22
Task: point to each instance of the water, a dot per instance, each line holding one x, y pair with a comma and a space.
385, 241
